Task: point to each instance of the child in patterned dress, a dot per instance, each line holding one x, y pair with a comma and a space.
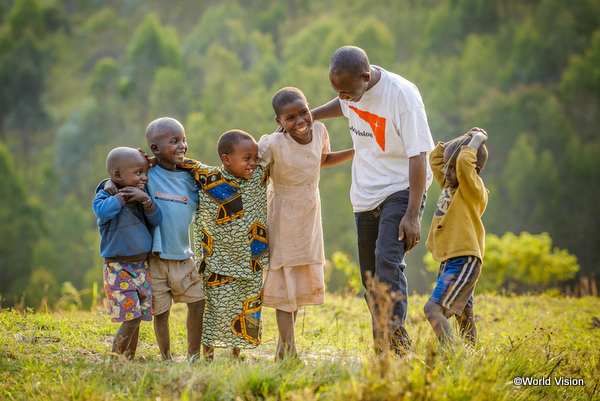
123, 221
295, 157
231, 243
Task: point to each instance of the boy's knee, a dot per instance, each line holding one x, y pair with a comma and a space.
431, 309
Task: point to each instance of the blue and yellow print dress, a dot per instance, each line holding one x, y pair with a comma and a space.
231, 246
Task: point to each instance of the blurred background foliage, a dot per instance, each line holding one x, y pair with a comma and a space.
79, 77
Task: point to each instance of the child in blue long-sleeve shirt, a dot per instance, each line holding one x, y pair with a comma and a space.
123, 221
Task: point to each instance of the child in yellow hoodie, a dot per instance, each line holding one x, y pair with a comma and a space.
457, 236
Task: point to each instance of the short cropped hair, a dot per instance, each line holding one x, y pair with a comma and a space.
229, 139
482, 152
285, 96
349, 60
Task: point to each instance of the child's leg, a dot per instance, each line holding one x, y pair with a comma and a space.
436, 315
163, 337
209, 353
195, 316
286, 345
125, 335
467, 325
132, 347
235, 352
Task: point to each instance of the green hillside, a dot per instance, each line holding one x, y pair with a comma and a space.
79, 77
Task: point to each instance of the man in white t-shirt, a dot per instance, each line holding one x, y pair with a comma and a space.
390, 175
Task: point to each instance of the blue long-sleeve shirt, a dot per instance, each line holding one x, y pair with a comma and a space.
124, 231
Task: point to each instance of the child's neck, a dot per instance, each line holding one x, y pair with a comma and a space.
166, 166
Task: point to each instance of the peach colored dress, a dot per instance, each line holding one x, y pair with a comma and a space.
295, 274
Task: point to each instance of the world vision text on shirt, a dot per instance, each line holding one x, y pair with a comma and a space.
377, 125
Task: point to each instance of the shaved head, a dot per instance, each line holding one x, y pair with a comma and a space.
161, 127
350, 60
122, 157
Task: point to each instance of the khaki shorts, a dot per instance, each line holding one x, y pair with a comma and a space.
173, 281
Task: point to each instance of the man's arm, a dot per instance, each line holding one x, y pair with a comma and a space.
410, 225
331, 109
335, 158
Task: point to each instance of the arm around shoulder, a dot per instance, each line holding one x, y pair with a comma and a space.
332, 109
335, 158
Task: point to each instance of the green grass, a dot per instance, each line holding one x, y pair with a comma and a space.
64, 356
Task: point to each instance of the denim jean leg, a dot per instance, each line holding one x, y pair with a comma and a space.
389, 266
367, 226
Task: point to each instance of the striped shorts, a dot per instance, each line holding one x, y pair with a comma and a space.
456, 283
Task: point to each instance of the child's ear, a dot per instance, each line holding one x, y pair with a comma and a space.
117, 175
225, 159
366, 76
154, 148
278, 121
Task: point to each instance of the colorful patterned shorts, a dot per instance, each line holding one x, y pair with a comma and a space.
128, 290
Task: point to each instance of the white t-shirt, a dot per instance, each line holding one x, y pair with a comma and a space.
388, 126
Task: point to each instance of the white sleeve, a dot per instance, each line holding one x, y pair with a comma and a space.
415, 132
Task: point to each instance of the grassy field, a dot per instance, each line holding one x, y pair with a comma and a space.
555, 341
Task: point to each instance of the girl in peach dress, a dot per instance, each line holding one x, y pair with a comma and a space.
295, 156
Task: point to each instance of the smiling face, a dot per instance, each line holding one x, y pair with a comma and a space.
350, 87
170, 148
295, 117
242, 161
129, 169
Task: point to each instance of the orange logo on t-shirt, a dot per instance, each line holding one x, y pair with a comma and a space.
377, 125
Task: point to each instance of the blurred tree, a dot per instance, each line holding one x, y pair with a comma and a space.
22, 224
531, 176
580, 89
26, 15
105, 81
22, 79
443, 31
152, 47
377, 40
478, 16
167, 94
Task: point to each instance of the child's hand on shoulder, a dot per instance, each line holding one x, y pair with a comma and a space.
133, 194
476, 130
481, 136
111, 188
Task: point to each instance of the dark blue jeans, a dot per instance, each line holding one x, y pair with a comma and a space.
381, 260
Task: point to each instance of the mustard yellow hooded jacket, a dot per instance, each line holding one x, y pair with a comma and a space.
456, 228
